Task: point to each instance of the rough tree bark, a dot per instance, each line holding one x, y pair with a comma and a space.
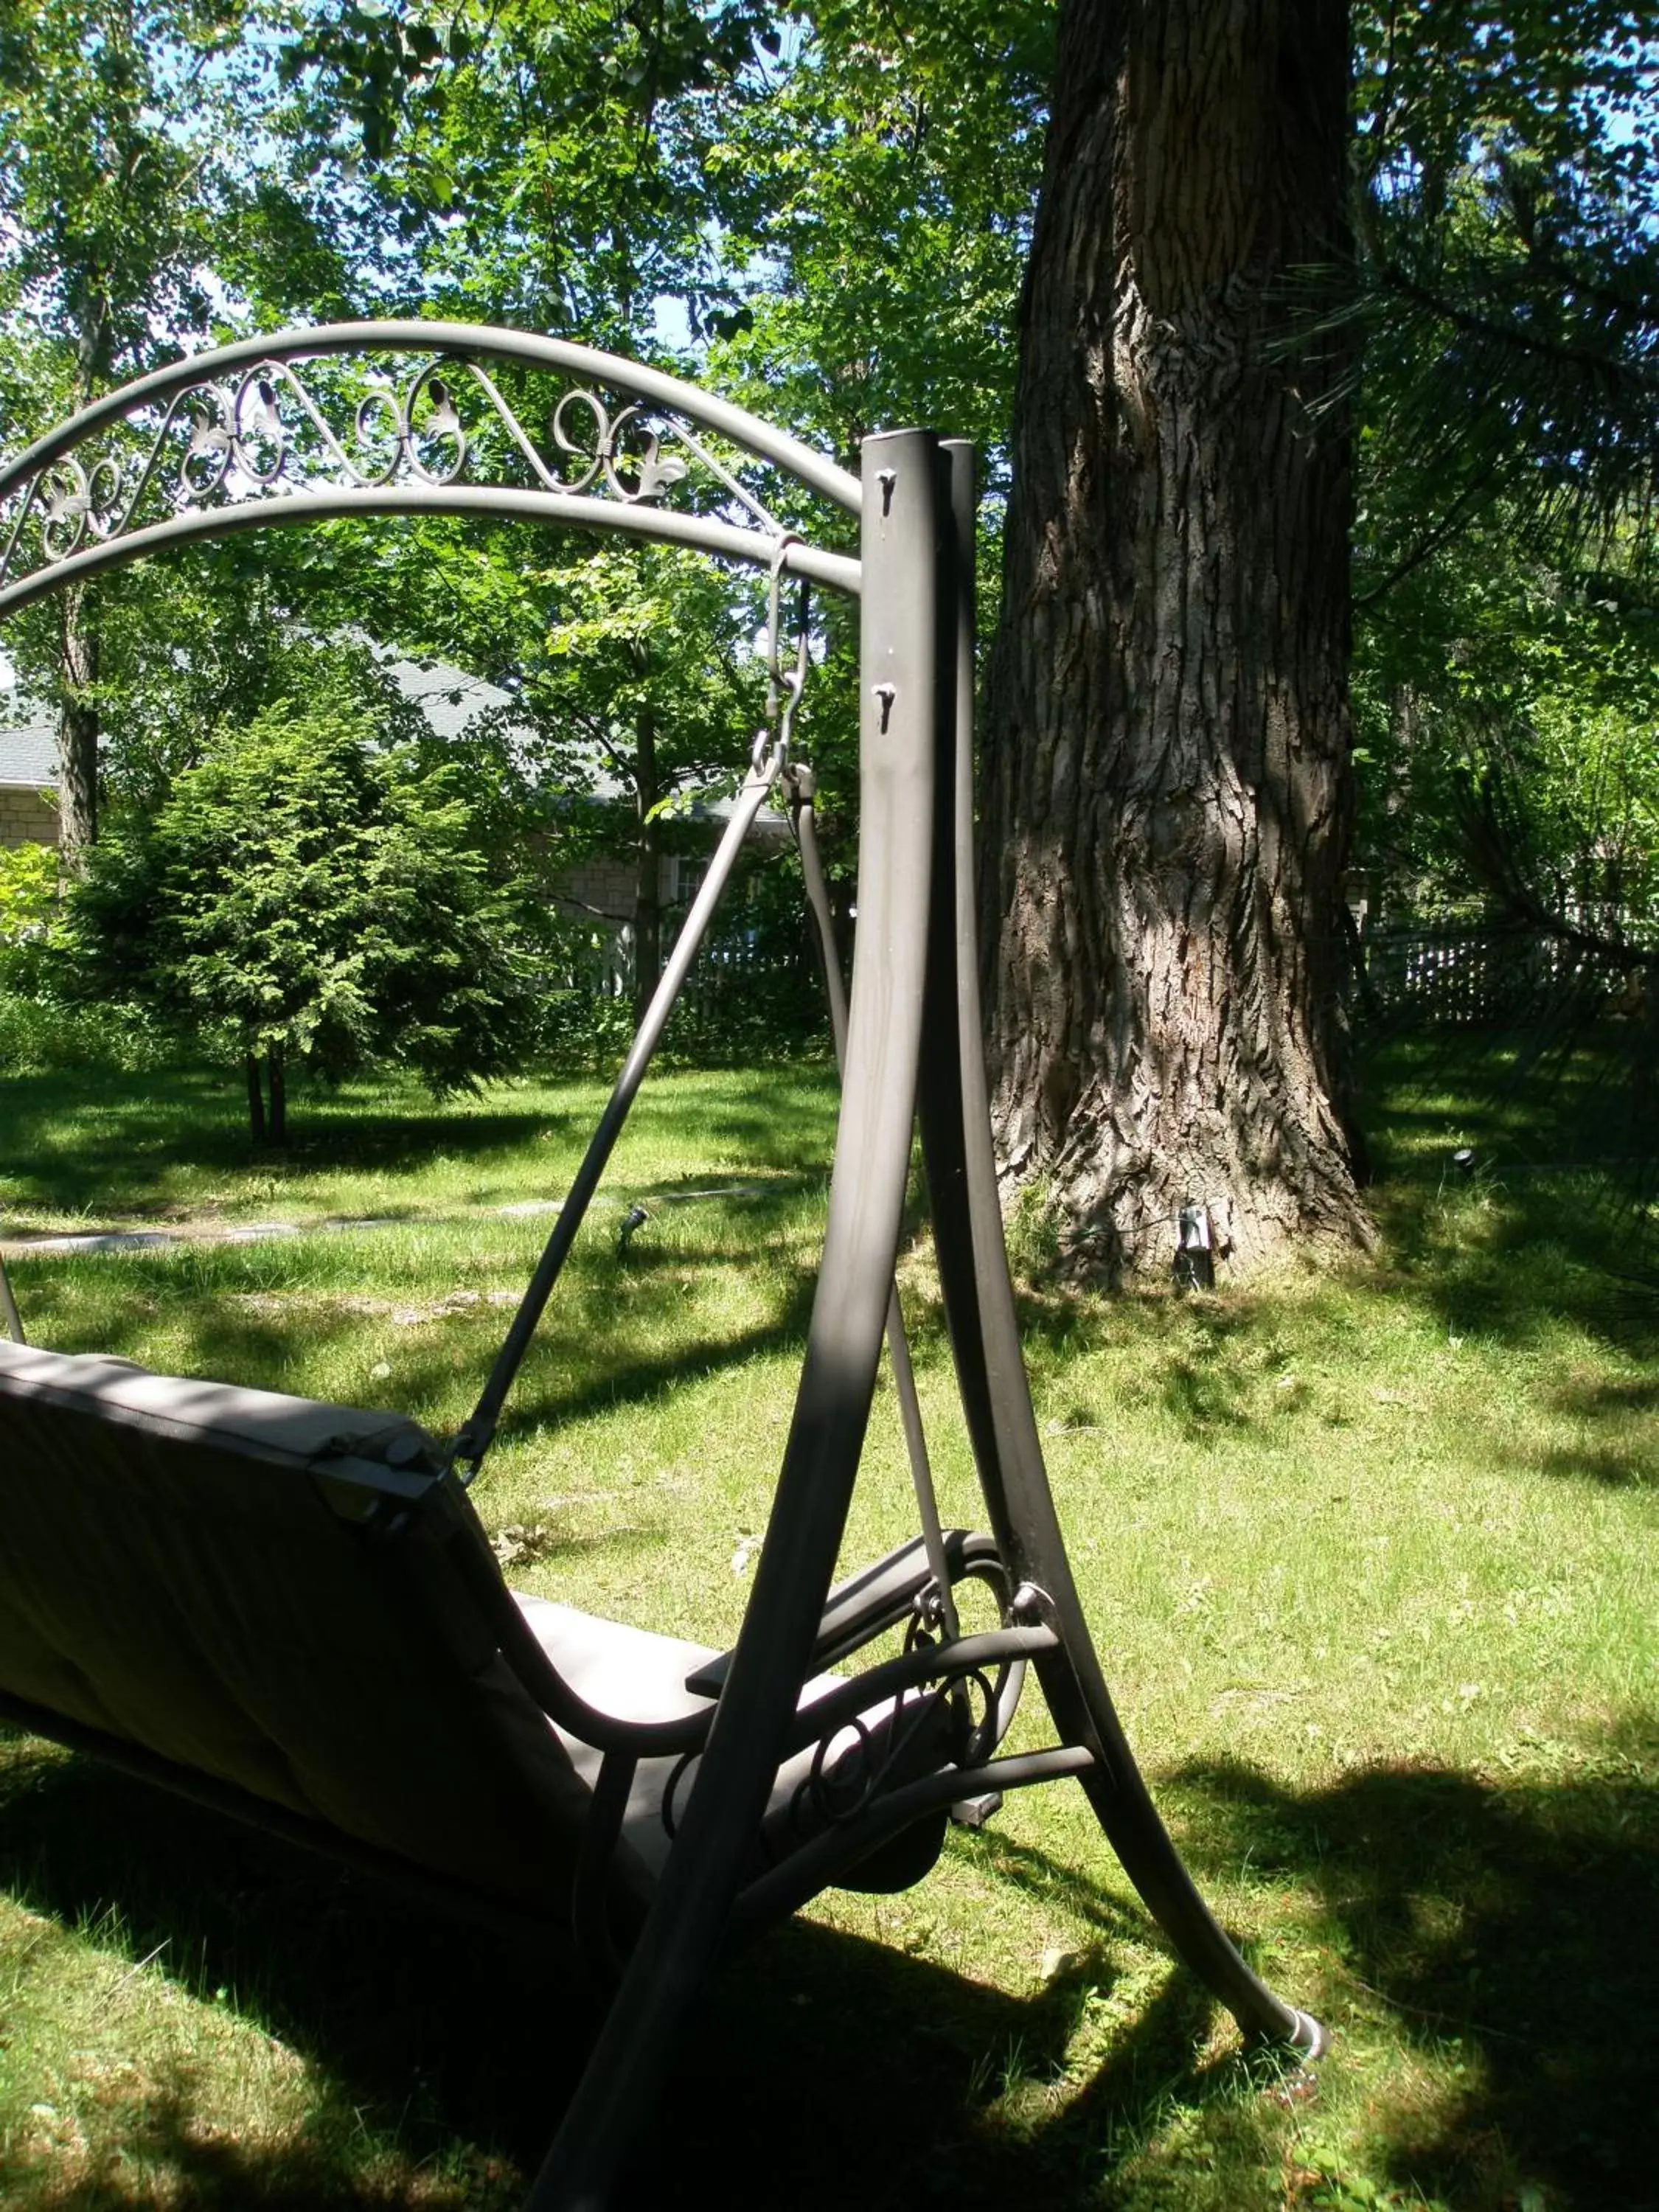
263, 1126
1168, 794
77, 728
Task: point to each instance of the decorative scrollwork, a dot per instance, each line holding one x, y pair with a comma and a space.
67, 509
606, 450
952, 1714
290, 425
207, 459
440, 427
851, 1768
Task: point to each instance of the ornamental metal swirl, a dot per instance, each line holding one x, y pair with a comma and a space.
266, 435
851, 1765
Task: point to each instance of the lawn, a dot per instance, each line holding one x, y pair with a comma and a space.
1370, 1554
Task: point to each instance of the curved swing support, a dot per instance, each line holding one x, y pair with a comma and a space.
760, 1776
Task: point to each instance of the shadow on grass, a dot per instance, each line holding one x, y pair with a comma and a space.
1505, 1258
119, 1160
1537, 1230
620, 1331
170, 2153
1512, 1933
826, 2068
1637, 1469
101, 1143
1202, 1386
1515, 1928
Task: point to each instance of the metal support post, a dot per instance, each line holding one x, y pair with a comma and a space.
956, 1143
905, 528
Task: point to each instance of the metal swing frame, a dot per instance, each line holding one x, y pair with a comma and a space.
237, 438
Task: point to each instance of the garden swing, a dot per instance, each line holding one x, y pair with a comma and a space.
289, 1610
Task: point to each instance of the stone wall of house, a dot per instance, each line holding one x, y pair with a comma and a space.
601, 886
26, 818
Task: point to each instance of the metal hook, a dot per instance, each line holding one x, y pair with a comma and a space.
783, 690
786, 539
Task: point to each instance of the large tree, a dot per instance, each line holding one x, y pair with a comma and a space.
1169, 794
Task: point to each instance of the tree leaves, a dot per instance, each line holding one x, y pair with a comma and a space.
314, 888
1510, 231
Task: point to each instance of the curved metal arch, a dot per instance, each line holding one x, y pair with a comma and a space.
234, 439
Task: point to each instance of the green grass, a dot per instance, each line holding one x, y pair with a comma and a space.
1369, 1551
91, 1147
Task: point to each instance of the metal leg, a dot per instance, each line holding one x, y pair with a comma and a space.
996, 1395
8, 1312
898, 1342
903, 532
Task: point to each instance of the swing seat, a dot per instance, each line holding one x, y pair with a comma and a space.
288, 1610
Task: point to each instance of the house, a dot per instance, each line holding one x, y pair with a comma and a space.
29, 785
602, 889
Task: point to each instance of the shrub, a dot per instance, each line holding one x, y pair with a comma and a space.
317, 890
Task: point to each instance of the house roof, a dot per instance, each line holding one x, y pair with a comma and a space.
449, 698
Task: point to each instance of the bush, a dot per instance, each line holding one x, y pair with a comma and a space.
41, 1036
29, 911
754, 994
318, 889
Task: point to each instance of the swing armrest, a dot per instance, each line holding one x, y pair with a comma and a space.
878, 1596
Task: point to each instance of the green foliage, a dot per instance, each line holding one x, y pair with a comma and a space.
28, 898
631, 636
540, 164
110, 175
754, 998
42, 1029
1507, 683
756, 995
1508, 206
889, 184
319, 889
826, 213
41, 1034
1492, 668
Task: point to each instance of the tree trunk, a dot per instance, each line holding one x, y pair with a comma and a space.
278, 1079
647, 890
256, 1099
77, 728
1169, 788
